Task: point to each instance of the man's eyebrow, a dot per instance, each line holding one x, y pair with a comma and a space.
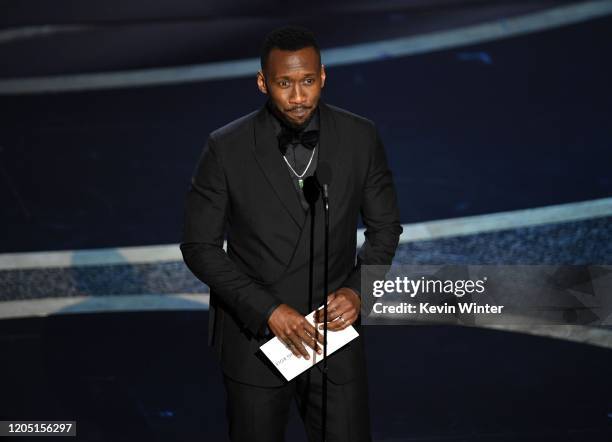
286, 77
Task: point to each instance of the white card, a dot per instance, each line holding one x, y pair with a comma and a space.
290, 365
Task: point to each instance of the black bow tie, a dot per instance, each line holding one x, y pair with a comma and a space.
308, 139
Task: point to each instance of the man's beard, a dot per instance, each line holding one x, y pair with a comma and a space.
293, 126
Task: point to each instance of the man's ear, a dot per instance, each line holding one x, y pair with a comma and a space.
322, 76
261, 83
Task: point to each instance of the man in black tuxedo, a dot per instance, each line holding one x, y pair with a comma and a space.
247, 187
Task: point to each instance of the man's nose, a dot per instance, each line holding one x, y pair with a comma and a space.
297, 95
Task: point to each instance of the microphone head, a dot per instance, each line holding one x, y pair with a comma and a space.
324, 174
311, 190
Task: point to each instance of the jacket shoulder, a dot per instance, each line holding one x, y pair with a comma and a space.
348, 117
237, 128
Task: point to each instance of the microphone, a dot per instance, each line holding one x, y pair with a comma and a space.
318, 183
311, 190
324, 175
324, 178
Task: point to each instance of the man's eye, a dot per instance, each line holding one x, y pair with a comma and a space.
283, 83
309, 81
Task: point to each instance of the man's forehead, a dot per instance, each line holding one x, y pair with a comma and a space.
303, 61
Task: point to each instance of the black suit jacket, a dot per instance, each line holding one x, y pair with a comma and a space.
241, 188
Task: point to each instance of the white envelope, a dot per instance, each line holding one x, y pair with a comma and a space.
290, 365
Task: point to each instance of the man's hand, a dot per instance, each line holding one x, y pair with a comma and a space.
294, 330
343, 307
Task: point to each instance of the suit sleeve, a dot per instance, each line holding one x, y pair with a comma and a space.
380, 215
206, 215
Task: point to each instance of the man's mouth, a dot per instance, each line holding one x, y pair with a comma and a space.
299, 111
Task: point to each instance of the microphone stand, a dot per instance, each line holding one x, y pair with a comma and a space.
312, 189
325, 291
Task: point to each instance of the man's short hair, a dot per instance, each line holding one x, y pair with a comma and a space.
288, 38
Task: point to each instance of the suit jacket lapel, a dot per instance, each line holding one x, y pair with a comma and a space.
328, 139
273, 166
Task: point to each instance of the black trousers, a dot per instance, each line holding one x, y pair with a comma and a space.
261, 413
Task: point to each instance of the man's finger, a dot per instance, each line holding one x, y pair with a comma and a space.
291, 347
332, 306
310, 341
342, 303
339, 322
298, 347
330, 299
313, 332
330, 315
335, 325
